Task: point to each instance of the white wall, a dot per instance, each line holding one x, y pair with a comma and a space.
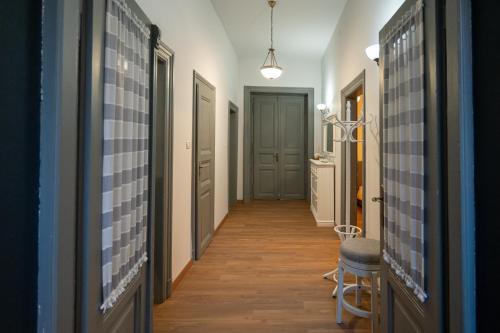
192, 29
298, 73
344, 59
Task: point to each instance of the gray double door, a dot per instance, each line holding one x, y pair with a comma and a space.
279, 147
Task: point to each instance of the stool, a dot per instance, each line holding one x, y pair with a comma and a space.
361, 257
344, 232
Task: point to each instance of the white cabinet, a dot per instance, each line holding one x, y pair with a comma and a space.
322, 192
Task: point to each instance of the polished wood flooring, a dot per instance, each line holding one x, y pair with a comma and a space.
262, 273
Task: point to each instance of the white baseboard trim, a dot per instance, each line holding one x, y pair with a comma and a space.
322, 224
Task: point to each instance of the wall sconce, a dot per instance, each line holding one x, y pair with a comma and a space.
323, 109
373, 52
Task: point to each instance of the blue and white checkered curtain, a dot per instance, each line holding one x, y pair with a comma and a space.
125, 150
402, 59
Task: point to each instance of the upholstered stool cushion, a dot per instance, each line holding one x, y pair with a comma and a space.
361, 250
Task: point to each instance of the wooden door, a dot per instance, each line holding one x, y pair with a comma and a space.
401, 311
233, 155
291, 147
266, 147
204, 163
279, 147
129, 314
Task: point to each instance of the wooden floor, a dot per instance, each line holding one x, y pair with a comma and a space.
262, 273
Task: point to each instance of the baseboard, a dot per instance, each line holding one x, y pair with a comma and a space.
322, 224
181, 275
220, 224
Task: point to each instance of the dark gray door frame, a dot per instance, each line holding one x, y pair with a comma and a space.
232, 108
248, 133
160, 232
355, 84
194, 162
58, 166
460, 231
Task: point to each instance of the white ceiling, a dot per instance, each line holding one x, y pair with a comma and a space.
302, 28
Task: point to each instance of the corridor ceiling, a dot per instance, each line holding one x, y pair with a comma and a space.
302, 28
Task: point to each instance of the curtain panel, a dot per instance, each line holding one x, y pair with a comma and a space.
125, 150
402, 60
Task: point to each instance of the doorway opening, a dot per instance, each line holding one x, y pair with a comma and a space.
278, 141
232, 154
353, 107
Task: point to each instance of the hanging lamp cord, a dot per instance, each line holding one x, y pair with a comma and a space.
272, 26
270, 53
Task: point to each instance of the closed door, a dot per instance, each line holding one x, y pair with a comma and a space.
204, 163
233, 155
279, 146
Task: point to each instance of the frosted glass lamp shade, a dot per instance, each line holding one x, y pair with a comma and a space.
373, 52
271, 72
321, 107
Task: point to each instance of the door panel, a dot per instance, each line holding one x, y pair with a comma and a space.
279, 147
401, 311
291, 155
205, 149
266, 147
128, 316
402, 321
90, 319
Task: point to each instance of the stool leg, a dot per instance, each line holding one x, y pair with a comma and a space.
340, 291
358, 291
374, 299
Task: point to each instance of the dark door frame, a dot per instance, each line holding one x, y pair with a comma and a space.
232, 108
461, 224
357, 83
58, 167
308, 93
194, 163
160, 234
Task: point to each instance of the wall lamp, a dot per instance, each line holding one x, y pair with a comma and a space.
373, 52
323, 109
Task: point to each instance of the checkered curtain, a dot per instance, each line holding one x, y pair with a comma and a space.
125, 150
402, 59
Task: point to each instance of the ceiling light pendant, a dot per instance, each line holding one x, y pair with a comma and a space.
270, 69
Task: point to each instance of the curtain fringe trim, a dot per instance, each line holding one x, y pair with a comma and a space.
122, 286
417, 290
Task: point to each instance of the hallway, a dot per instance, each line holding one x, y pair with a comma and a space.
261, 273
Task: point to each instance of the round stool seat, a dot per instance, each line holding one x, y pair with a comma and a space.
361, 250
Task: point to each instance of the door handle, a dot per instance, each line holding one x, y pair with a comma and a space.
378, 199
277, 157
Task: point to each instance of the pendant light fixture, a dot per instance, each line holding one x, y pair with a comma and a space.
270, 70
